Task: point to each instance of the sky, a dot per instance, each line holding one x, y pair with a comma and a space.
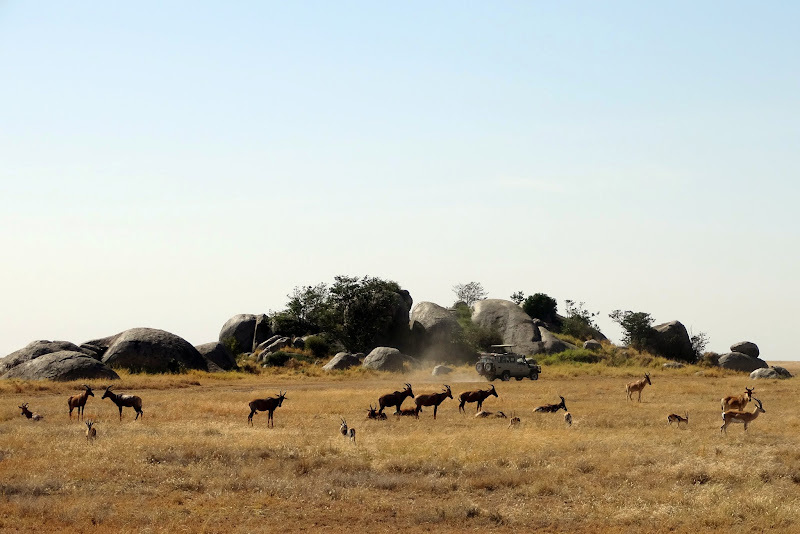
172, 164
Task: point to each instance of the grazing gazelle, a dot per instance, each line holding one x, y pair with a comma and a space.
675, 418
740, 416
638, 385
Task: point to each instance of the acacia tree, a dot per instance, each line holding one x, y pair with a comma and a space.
541, 306
638, 331
470, 293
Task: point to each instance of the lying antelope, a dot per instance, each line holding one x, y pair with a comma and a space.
552, 408
478, 396
737, 402
408, 412
638, 385
675, 418
130, 401
91, 432
433, 399
79, 401
29, 414
482, 414
267, 405
740, 416
568, 418
372, 413
395, 399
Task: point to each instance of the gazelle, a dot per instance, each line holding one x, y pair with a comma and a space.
737, 402
568, 418
343, 428
638, 385
91, 432
740, 416
675, 418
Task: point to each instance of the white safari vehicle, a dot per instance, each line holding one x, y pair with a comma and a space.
505, 364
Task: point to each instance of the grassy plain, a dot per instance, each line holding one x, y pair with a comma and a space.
194, 465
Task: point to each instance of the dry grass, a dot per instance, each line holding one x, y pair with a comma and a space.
194, 465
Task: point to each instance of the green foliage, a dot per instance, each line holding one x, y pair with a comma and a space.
579, 322
318, 346
282, 357
699, 344
572, 356
638, 331
477, 337
470, 293
541, 306
517, 297
308, 311
232, 345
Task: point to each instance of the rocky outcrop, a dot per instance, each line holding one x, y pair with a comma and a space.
551, 344
514, 325
437, 336
61, 365
440, 370
385, 359
592, 344
738, 361
218, 354
746, 347
342, 360
36, 349
771, 372
239, 332
152, 351
673, 341
274, 346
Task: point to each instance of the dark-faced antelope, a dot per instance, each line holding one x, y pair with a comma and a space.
740, 416
633, 387
29, 414
737, 402
408, 412
266, 405
433, 399
552, 408
122, 401
478, 396
568, 418
372, 413
395, 399
91, 432
483, 414
79, 401
343, 427
352, 435
515, 422
675, 418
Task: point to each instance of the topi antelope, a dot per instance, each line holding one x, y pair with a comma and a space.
478, 396
29, 414
737, 402
740, 416
79, 401
568, 418
433, 399
675, 418
267, 405
552, 408
395, 399
372, 413
638, 385
122, 401
91, 432
483, 415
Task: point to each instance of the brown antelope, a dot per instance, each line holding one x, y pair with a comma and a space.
675, 418
408, 412
343, 428
433, 399
122, 401
267, 405
395, 399
483, 414
638, 385
79, 401
552, 408
91, 432
29, 414
478, 396
740, 416
372, 413
515, 422
568, 418
737, 402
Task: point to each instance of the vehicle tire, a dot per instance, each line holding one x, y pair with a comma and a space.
519, 378
488, 367
479, 367
506, 376
534, 375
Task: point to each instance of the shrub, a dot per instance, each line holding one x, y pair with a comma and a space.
318, 346
475, 336
638, 331
541, 307
579, 322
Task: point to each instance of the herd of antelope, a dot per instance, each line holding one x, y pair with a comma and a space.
733, 406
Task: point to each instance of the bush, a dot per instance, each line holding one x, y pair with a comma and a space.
579, 322
572, 356
477, 337
541, 307
638, 331
318, 346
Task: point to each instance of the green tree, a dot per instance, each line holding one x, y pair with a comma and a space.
307, 312
541, 307
470, 293
517, 297
637, 327
579, 322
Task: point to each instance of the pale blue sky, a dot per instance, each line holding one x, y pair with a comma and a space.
171, 166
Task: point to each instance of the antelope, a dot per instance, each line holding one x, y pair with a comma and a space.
372, 413
675, 418
478, 396
482, 414
433, 399
343, 428
395, 399
352, 435
267, 405
737, 402
552, 408
408, 412
79, 401
515, 422
740, 416
29, 414
91, 433
638, 385
122, 401
568, 418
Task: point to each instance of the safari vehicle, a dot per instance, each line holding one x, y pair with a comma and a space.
504, 364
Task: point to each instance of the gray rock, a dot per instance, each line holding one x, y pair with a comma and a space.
36, 349
738, 361
240, 331
441, 370
299, 343
434, 323
385, 359
673, 341
218, 354
62, 365
267, 342
152, 351
673, 365
278, 344
772, 372
551, 344
513, 324
592, 344
746, 347
343, 360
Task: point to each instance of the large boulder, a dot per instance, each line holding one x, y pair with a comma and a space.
592, 344
738, 361
673, 341
34, 350
514, 325
153, 351
61, 365
245, 331
746, 347
772, 372
385, 359
551, 344
441, 370
218, 354
437, 335
342, 360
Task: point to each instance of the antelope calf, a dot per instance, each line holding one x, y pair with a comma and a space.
483, 414
124, 401
395, 399
433, 399
737, 402
638, 385
740, 416
675, 418
267, 405
372, 413
408, 412
91, 432
552, 408
478, 396
568, 418
79, 401
29, 414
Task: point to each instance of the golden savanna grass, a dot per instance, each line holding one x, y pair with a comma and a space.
194, 465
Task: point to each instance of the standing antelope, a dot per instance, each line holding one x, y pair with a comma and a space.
552, 408
737, 402
91, 433
675, 418
395, 399
352, 435
568, 418
478, 396
79, 401
433, 399
638, 385
515, 421
266, 405
29, 414
130, 401
740, 416
343, 428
